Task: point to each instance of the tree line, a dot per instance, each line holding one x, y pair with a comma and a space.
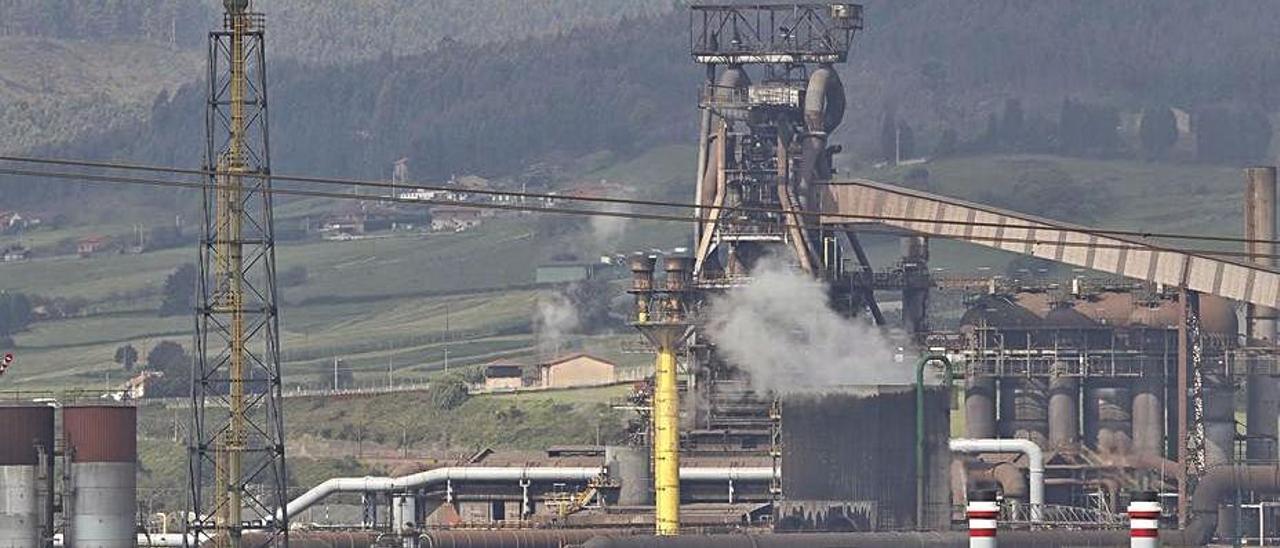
1219, 135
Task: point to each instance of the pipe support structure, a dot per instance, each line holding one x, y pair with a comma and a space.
371, 484
1035, 463
920, 430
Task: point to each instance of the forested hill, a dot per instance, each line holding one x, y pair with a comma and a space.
321, 32
940, 65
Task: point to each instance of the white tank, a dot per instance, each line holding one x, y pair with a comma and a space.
19, 507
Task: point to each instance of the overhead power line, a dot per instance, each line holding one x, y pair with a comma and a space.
118, 179
1144, 234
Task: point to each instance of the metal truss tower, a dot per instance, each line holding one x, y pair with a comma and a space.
236, 448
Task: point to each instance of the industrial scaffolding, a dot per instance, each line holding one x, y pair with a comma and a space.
236, 444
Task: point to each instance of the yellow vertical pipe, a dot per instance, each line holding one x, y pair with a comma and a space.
666, 442
232, 275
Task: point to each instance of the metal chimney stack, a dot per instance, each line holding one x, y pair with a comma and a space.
1260, 322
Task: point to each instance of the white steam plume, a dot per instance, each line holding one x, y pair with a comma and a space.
781, 331
607, 231
555, 318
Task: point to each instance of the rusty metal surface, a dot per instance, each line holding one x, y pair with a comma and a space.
21, 427
933, 215
848, 459
101, 433
551, 538
325, 539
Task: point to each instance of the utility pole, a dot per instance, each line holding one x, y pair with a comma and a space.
447, 337
335, 373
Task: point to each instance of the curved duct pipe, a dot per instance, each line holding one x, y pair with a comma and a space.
733, 81
370, 484
1010, 478
824, 101
824, 104
1035, 463
1215, 487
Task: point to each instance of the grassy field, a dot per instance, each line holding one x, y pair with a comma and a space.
373, 303
383, 302
360, 435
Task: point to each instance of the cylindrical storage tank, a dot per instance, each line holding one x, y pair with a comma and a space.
1148, 417
630, 467
1030, 406
102, 452
26, 433
980, 407
1219, 424
1112, 419
1064, 412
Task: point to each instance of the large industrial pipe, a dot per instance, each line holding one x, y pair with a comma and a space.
1035, 463
1008, 539
1064, 415
436, 476
371, 484
666, 442
1214, 488
1263, 391
1148, 417
297, 539
102, 451
920, 427
980, 407
545, 538
824, 101
824, 104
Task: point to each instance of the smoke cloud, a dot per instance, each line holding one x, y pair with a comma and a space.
781, 331
606, 232
555, 317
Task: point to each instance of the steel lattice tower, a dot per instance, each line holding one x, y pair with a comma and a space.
237, 436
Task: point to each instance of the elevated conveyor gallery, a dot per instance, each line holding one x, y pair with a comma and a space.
863, 202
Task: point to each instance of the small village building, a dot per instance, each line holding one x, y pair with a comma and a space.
90, 245
503, 376
577, 370
454, 219
15, 253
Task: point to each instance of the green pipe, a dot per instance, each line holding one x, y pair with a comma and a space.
920, 469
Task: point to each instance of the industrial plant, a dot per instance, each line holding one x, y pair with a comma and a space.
1132, 402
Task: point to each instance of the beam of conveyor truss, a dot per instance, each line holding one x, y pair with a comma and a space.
1028, 235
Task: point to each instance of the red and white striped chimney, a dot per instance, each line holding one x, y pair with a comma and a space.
1144, 520
982, 513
